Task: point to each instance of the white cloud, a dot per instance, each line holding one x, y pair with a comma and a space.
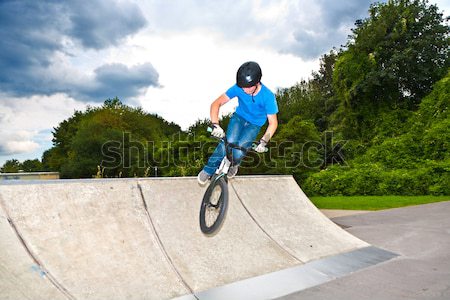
306, 28
12, 147
17, 142
25, 123
191, 77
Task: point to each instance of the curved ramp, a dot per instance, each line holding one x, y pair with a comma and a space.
284, 212
140, 239
90, 239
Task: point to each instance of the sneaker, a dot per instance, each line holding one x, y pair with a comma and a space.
233, 171
203, 177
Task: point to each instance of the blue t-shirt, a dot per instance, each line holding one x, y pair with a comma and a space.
254, 111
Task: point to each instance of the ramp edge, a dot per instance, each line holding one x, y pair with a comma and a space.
65, 181
292, 280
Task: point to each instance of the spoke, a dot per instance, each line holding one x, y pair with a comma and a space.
213, 206
213, 209
211, 216
215, 195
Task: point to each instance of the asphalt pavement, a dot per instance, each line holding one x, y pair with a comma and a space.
421, 237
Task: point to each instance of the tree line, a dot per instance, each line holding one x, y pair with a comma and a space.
373, 119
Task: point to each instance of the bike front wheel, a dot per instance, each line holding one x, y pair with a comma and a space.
214, 206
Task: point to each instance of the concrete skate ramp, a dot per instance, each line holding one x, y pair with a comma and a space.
140, 239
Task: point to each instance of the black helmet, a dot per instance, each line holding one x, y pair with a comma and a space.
249, 74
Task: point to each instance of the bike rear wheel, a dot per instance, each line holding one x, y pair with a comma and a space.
214, 206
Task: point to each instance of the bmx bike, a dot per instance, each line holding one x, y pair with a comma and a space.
215, 200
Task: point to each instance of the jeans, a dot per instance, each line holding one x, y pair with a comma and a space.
239, 132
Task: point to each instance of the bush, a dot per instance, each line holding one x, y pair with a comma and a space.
426, 178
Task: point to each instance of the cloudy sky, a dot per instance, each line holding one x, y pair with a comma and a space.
170, 57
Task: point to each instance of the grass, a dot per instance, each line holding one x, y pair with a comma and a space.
373, 202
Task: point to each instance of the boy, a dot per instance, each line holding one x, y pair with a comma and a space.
256, 105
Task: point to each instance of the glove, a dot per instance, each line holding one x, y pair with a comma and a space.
261, 147
217, 131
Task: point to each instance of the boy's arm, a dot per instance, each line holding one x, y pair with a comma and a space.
270, 131
214, 110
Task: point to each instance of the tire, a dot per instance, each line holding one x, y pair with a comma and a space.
214, 206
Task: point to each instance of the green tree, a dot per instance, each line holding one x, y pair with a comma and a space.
294, 150
322, 86
392, 61
118, 138
56, 157
34, 165
414, 162
11, 166
313, 100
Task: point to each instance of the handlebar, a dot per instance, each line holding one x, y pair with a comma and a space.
231, 145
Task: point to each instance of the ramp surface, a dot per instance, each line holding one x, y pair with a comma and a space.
140, 239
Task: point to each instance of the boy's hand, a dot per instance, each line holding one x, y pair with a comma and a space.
261, 147
217, 131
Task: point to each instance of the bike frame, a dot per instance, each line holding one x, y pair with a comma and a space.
219, 179
227, 161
